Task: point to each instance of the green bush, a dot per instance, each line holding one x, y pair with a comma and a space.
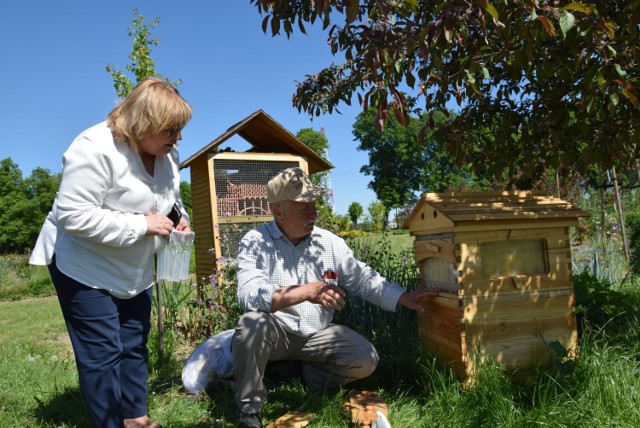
632, 223
599, 305
19, 280
394, 334
355, 233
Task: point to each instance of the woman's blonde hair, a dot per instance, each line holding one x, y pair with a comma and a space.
152, 106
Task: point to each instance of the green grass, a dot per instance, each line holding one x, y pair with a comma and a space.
39, 386
398, 241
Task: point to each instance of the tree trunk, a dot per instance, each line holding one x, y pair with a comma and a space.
602, 215
623, 229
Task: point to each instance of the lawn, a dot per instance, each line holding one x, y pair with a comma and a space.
39, 386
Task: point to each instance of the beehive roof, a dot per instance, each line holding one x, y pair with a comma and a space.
266, 136
454, 207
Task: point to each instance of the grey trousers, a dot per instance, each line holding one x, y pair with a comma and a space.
330, 358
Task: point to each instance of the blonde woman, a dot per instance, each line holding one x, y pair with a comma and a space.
120, 181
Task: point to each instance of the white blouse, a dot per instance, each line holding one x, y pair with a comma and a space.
96, 227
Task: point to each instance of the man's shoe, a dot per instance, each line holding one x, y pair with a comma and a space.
250, 420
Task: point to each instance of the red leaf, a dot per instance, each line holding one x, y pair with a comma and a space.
548, 26
400, 117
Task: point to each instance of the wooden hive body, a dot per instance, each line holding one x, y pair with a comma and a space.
503, 263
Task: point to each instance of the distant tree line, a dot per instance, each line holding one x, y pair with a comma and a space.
24, 203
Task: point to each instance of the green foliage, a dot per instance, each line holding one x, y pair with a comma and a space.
603, 260
185, 194
377, 215
355, 211
405, 161
632, 222
599, 305
24, 204
142, 65
318, 142
18, 280
379, 326
328, 220
354, 233
175, 295
209, 306
538, 84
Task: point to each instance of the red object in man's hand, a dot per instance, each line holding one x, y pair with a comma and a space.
330, 277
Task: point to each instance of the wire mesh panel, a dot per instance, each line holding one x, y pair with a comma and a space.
230, 236
241, 185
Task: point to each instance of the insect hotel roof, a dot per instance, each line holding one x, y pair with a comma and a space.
265, 136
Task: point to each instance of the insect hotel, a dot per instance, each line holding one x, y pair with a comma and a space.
229, 188
502, 261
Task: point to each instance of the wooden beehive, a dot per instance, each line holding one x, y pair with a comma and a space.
503, 263
229, 189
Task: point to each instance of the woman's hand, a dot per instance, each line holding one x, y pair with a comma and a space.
158, 224
183, 226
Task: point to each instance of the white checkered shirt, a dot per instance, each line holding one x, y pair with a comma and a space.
267, 260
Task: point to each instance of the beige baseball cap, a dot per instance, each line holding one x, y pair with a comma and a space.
294, 185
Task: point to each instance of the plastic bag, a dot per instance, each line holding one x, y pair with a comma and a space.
173, 259
211, 360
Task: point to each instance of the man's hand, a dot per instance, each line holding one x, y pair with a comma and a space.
329, 296
409, 300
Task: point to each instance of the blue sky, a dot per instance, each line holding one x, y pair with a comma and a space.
55, 84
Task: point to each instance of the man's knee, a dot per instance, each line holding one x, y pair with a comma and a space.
252, 325
359, 363
366, 364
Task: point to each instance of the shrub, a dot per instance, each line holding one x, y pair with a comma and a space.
355, 233
19, 280
633, 228
599, 305
215, 307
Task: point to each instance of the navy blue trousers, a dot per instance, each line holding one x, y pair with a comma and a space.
109, 338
